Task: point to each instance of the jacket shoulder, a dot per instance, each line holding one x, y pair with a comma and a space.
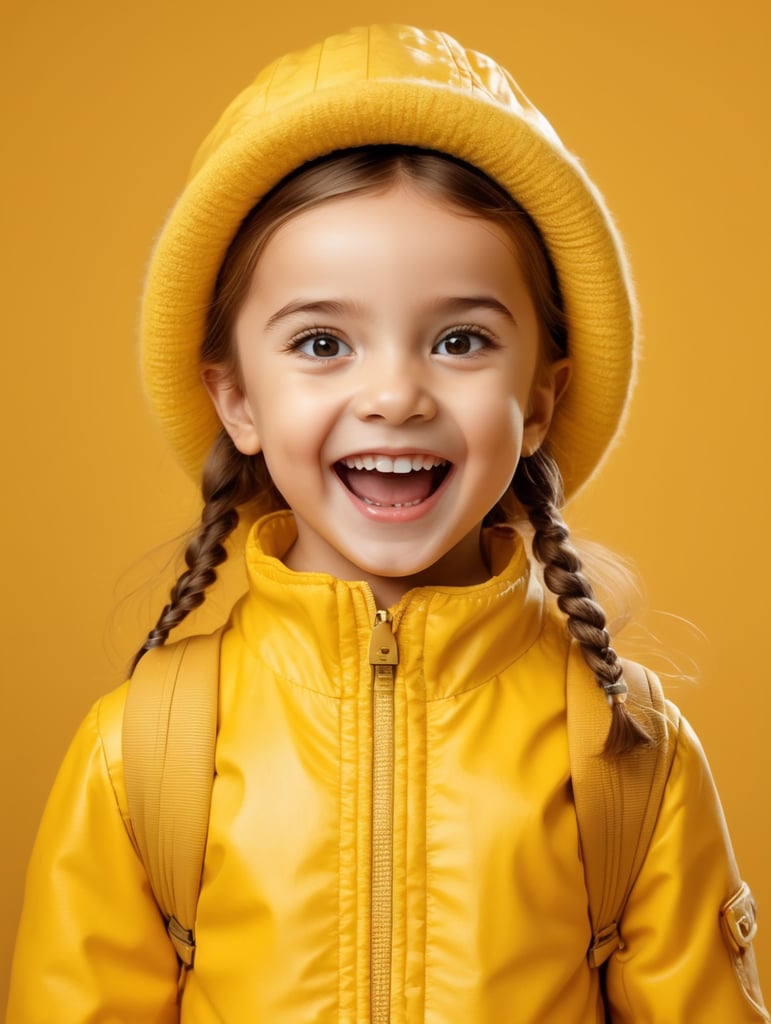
109, 711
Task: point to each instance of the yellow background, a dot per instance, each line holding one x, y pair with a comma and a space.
103, 105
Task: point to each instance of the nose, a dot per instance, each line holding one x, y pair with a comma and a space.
395, 392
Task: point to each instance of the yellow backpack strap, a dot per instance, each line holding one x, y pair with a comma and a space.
169, 734
617, 799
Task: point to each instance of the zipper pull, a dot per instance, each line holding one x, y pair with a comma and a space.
383, 652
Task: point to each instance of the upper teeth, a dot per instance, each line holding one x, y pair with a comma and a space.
389, 464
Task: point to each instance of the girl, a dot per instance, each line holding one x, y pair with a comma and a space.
388, 319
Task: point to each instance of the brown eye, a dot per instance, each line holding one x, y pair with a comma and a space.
459, 343
322, 346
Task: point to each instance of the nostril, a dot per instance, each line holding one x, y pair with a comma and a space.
395, 405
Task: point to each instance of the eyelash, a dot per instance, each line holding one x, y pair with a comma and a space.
299, 340
473, 330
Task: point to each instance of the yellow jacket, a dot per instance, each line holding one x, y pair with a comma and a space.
467, 906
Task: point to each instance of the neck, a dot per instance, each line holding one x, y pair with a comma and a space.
465, 565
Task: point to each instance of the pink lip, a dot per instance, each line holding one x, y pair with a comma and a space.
389, 514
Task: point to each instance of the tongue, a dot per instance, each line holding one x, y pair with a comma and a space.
388, 488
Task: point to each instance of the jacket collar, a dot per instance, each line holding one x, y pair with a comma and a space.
313, 629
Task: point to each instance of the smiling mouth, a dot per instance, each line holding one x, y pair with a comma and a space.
392, 481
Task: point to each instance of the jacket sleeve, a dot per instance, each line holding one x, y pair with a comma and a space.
677, 966
92, 945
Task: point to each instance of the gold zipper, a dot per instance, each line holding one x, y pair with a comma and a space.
384, 657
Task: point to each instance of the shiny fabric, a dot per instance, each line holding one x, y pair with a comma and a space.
489, 907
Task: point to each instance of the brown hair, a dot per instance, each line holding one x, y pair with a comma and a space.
232, 480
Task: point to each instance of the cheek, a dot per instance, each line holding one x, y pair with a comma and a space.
496, 423
495, 450
293, 425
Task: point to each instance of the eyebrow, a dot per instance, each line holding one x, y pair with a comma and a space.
328, 307
462, 303
333, 307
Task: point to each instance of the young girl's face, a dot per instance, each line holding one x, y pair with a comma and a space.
390, 372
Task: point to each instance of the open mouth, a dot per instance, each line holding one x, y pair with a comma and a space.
392, 481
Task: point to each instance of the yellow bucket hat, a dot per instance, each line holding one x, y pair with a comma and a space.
399, 85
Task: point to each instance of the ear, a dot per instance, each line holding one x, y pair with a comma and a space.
547, 390
233, 408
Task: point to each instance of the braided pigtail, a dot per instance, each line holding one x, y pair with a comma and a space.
230, 479
538, 486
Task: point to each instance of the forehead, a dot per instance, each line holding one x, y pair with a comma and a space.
400, 228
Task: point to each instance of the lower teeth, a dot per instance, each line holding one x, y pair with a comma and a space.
380, 504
